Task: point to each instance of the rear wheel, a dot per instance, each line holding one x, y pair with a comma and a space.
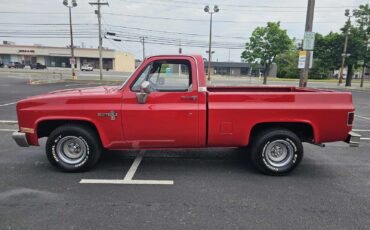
276, 151
73, 148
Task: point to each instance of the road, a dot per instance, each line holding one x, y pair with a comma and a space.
213, 189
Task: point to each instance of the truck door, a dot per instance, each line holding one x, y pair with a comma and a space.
169, 117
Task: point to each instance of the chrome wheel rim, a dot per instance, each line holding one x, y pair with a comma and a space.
71, 149
279, 153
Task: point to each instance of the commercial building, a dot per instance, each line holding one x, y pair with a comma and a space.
59, 57
238, 69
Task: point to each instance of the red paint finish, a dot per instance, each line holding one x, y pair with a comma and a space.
216, 117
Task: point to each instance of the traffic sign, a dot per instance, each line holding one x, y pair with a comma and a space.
309, 41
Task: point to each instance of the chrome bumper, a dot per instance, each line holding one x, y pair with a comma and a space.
353, 139
20, 139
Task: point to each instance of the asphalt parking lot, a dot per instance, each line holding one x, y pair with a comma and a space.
210, 189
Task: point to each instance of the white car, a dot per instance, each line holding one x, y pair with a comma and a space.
87, 67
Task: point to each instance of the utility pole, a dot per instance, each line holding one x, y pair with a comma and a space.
344, 54
180, 49
308, 28
98, 13
143, 43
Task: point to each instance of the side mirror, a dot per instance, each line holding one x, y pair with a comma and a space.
142, 96
145, 87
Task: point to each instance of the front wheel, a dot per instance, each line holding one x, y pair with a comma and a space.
276, 151
73, 148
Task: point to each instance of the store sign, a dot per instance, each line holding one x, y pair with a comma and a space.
26, 51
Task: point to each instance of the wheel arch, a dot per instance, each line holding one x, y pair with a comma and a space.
303, 129
46, 125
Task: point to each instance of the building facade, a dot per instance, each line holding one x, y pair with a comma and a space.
59, 57
238, 69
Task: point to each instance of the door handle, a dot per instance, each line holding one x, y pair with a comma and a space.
189, 97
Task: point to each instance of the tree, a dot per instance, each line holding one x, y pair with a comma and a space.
327, 54
265, 44
287, 63
362, 16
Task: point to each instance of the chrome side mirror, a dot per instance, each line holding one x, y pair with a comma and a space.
142, 96
145, 87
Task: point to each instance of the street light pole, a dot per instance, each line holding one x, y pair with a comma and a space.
215, 10
210, 48
344, 54
72, 61
100, 44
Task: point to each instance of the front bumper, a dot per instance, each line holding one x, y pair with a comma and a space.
20, 139
353, 139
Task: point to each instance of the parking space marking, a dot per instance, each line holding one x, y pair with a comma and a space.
131, 172
8, 122
365, 138
11, 103
128, 178
361, 130
365, 118
8, 130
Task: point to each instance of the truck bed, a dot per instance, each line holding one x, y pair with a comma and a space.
233, 112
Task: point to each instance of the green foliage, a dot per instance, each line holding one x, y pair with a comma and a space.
327, 55
272, 44
265, 44
287, 63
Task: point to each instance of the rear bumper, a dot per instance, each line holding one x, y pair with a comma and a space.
353, 139
20, 139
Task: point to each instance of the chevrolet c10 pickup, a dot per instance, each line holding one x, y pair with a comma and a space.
166, 104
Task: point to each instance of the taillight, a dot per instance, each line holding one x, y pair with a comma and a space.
350, 118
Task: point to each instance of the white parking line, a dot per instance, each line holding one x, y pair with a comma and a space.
131, 172
361, 130
11, 103
8, 130
365, 138
8, 122
366, 118
128, 178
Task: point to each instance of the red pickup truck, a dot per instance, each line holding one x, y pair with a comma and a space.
166, 104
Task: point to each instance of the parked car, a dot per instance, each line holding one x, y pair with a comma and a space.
1, 65
87, 67
37, 66
15, 65
166, 104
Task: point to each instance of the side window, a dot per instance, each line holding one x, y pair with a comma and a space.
141, 78
166, 76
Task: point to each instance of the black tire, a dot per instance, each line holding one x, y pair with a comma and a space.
73, 148
276, 151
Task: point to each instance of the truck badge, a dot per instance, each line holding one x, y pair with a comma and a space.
111, 114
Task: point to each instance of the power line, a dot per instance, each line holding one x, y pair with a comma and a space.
218, 21
185, 3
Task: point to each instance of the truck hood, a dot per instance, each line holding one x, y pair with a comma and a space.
68, 96
84, 91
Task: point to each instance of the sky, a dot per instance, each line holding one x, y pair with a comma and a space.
170, 23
